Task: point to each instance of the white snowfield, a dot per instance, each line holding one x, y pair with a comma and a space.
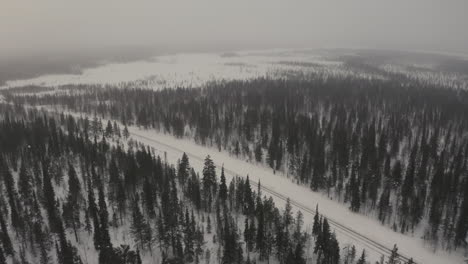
367, 227
197, 69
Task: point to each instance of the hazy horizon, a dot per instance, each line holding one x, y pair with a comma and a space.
55, 27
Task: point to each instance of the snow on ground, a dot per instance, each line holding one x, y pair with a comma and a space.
196, 69
427, 74
171, 149
408, 246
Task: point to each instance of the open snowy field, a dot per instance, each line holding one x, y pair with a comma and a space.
187, 70
197, 69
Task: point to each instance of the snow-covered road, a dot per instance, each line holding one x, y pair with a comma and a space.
350, 227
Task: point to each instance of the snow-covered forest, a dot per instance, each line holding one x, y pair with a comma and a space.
75, 193
77, 187
233, 132
391, 150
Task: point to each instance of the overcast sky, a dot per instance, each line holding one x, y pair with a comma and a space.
50, 25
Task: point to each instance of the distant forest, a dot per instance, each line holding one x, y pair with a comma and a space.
394, 149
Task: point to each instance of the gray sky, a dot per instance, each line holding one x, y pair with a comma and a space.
63, 26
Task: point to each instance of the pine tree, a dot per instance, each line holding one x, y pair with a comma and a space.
74, 186
94, 214
297, 236
249, 205
184, 169
71, 211
49, 197
334, 250
2, 256
67, 254
25, 187
149, 197
362, 259
5, 238
319, 167
261, 232
208, 225
121, 200
231, 244
116, 130
462, 224
16, 221
42, 242
109, 129
384, 204
188, 238
326, 238
316, 226
105, 241
355, 196
288, 218
258, 153
114, 181
126, 133
299, 254
223, 187
393, 258
209, 179
140, 229
353, 253
248, 235
396, 174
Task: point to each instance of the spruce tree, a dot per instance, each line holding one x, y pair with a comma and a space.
188, 238
49, 198
2, 256
184, 169
355, 196
71, 210
109, 129
316, 226
462, 224
249, 205
209, 180
223, 187
261, 232
5, 238
126, 133
12, 194
299, 254
105, 241
394, 256
140, 229
25, 187
362, 259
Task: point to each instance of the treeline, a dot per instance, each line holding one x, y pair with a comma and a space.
64, 184
396, 150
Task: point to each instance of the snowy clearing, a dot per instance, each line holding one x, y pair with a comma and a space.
196, 69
